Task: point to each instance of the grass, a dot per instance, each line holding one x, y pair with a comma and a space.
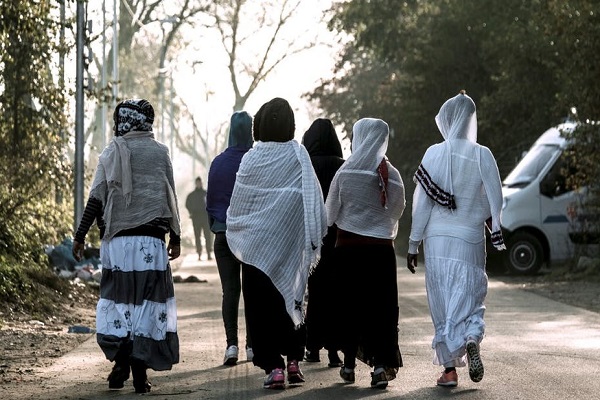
31, 291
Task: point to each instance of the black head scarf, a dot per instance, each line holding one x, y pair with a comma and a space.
325, 151
274, 122
133, 115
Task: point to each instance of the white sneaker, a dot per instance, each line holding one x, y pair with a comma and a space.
231, 355
249, 353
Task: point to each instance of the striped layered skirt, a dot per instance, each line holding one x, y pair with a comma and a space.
137, 301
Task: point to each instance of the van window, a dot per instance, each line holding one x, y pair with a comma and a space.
555, 181
530, 166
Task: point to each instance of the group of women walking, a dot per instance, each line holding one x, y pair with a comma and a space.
312, 236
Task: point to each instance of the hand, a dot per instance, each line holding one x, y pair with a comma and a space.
174, 251
411, 262
77, 250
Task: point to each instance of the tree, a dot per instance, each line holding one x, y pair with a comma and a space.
33, 165
574, 29
253, 39
524, 63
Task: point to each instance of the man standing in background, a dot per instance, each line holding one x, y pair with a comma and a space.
196, 206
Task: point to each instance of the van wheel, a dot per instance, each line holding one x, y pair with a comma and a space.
525, 254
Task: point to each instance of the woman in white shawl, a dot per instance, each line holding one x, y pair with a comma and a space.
275, 226
458, 192
365, 201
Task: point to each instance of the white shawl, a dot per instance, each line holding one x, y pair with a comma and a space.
460, 178
353, 202
276, 219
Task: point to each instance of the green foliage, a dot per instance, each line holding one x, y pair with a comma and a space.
35, 174
29, 289
525, 63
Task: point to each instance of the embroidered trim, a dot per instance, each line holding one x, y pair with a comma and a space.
497, 239
435, 192
383, 173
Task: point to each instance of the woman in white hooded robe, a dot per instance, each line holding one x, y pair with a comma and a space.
458, 192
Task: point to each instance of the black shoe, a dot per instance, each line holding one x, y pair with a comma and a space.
379, 379
140, 379
347, 375
312, 356
334, 360
119, 374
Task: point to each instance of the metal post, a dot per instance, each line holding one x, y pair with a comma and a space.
115, 45
79, 137
161, 95
103, 97
172, 117
61, 78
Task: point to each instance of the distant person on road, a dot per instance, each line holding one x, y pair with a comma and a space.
196, 206
365, 201
324, 289
221, 178
134, 203
458, 193
275, 227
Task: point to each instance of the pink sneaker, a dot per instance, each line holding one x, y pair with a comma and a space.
275, 380
449, 379
294, 373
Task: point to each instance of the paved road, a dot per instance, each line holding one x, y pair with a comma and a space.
535, 348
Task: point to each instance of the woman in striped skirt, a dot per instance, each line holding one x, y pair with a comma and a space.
134, 203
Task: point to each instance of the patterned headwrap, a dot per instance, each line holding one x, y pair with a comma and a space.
133, 115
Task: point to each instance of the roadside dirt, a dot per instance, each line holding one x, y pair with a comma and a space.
580, 289
29, 343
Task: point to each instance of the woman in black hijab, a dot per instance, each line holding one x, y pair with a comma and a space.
326, 156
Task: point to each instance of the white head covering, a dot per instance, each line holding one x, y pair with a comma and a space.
457, 118
370, 138
354, 202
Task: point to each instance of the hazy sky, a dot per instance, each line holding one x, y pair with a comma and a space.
210, 80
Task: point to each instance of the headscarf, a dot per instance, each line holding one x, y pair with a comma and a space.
133, 115
274, 122
370, 138
367, 193
276, 219
325, 151
221, 175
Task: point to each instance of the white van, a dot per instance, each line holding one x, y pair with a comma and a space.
538, 209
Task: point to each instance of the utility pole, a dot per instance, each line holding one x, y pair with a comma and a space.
103, 96
115, 60
61, 77
79, 137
